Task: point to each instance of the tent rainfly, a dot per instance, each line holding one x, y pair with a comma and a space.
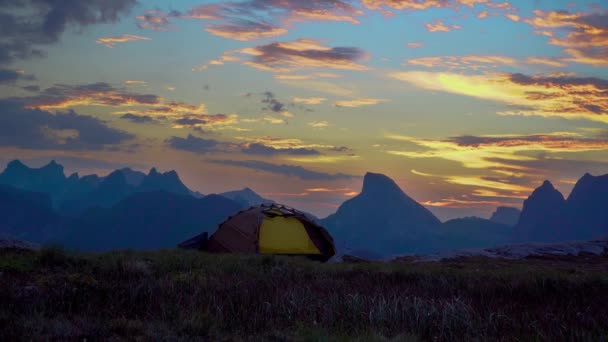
267, 229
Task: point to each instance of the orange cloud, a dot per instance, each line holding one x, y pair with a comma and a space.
482, 15
513, 17
552, 62
543, 95
319, 124
438, 26
309, 100
584, 36
245, 33
358, 102
111, 41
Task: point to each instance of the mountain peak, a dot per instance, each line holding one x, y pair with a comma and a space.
16, 164
153, 172
378, 183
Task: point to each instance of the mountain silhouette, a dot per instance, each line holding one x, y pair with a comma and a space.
506, 215
110, 190
383, 220
587, 208
150, 220
473, 232
48, 179
542, 217
27, 215
246, 197
168, 181
134, 178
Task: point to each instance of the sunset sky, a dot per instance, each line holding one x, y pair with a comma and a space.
467, 104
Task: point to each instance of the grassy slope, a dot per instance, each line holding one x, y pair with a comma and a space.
184, 295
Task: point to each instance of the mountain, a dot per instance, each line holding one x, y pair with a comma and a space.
473, 232
587, 208
150, 220
383, 219
49, 179
543, 216
134, 178
506, 215
168, 181
246, 197
112, 189
27, 215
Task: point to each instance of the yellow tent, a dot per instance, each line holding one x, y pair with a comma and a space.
268, 229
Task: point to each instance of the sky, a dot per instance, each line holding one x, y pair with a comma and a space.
466, 104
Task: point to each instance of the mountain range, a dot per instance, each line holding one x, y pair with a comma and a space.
131, 209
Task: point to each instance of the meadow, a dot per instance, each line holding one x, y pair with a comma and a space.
52, 294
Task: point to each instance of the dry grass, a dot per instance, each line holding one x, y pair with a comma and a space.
180, 295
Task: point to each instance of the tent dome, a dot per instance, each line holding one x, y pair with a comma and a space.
267, 229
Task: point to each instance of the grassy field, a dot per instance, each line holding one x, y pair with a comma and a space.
181, 295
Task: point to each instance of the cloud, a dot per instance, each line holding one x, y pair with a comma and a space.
553, 95
62, 96
157, 20
309, 100
193, 144
271, 103
132, 82
474, 151
473, 62
111, 41
308, 76
583, 36
40, 130
414, 45
439, 26
319, 124
203, 120
140, 119
260, 149
283, 169
301, 54
551, 62
246, 30
253, 19
8, 76
28, 25
358, 102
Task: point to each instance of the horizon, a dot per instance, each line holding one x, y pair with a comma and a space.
442, 216
466, 104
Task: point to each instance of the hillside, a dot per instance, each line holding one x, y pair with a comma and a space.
184, 295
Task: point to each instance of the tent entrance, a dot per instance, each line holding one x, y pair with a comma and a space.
285, 235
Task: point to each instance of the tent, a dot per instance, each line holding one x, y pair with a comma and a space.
267, 229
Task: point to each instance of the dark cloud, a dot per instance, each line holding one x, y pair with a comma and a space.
260, 149
303, 54
558, 81
272, 103
549, 141
27, 25
187, 121
31, 88
100, 93
288, 170
140, 119
39, 129
193, 144
8, 76
340, 149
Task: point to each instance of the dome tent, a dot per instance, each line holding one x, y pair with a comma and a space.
267, 229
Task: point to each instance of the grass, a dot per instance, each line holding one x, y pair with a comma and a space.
182, 295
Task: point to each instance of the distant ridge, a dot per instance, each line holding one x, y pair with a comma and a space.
246, 197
